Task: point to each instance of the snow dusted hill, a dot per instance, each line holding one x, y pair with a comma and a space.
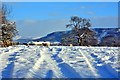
53, 37
100, 33
59, 62
57, 36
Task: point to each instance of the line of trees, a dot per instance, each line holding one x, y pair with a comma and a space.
7, 28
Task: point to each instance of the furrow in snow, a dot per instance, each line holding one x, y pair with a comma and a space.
67, 70
7, 61
46, 62
89, 63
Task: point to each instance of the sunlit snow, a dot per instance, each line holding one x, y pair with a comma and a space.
59, 62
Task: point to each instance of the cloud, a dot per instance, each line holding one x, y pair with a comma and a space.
90, 13
40, 27
105, 22
29, 22
54, 14
82, 7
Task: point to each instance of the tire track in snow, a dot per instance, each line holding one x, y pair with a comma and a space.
104, 69
67, 66
27, 57
35, 71
66, 69
93, 70
49, 74
71, 68
68, 59
8, 71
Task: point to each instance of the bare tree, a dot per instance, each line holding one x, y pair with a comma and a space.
77, 23
80, 31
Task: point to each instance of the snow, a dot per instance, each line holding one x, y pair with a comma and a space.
59, 62
39, 42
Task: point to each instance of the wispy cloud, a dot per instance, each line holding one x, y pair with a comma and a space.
105, 21
82, 7
35, 28
40, 27
90, 13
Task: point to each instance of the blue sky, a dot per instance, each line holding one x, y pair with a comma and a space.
37, 19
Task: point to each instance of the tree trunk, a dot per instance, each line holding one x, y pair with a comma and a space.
80, 41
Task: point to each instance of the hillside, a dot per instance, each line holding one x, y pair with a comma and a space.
53, 37
57, 36
101, 32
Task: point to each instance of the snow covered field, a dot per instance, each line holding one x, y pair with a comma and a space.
59, 62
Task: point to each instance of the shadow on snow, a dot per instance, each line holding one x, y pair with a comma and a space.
68, 71
8, 71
